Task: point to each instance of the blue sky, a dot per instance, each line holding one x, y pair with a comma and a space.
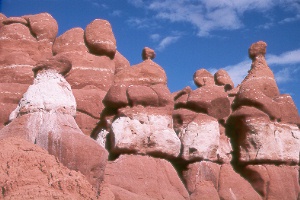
190, 34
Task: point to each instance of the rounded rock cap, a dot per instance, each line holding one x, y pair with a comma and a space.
148, 53
256, 49
61, 64
202, 77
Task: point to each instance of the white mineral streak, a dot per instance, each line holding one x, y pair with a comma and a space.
270, 141
200, 141
146, 134
50, 92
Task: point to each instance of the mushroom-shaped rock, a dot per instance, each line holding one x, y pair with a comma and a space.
202, 77
259, 87
148, 53
45, 116
222, 78
100, 38
60, 64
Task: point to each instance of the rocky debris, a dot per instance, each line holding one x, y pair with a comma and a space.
45, 116
100, 38
222, 78
202, 77
142, 103
258, 140
144, 177
274, 182
29, 172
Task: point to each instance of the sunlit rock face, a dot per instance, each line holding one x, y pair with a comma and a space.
45, 116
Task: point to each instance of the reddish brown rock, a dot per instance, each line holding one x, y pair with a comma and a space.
43, 26
71, 40
201, 172
29, 172
145, 73
148, 53
288, 109
202, 77
45, 116
233, 186
100, 38
60, 64
12, 20
143, 177
116, 96
120, 62
164, 95
259, 87
222, 78
274, 182
142, 95
2, 18
258, 140
211, 100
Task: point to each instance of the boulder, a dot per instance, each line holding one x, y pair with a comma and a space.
100, 38
222, 78
29, 172
120, 62
211, 100
12, 20
43, 26
148, 53
144, 177
202, 77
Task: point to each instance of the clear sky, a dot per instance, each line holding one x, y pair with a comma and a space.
190, 34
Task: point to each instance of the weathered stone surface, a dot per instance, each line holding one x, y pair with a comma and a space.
142, 95
71, 40
288, 109
212, 100
88, 69
29, 172
12, 20
233, 186
259, 140
143, 177
45, 117
116, 96
148, 53
120, 62
145, 73
201, 172
100, 38
43, 26
144, 133
200, 139
274, 182
222, 78
202, 77
259, 87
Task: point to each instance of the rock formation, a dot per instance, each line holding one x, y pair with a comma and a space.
135, 139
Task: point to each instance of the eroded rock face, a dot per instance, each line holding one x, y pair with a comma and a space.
261, 140
45, 116
29, 172
144, 177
